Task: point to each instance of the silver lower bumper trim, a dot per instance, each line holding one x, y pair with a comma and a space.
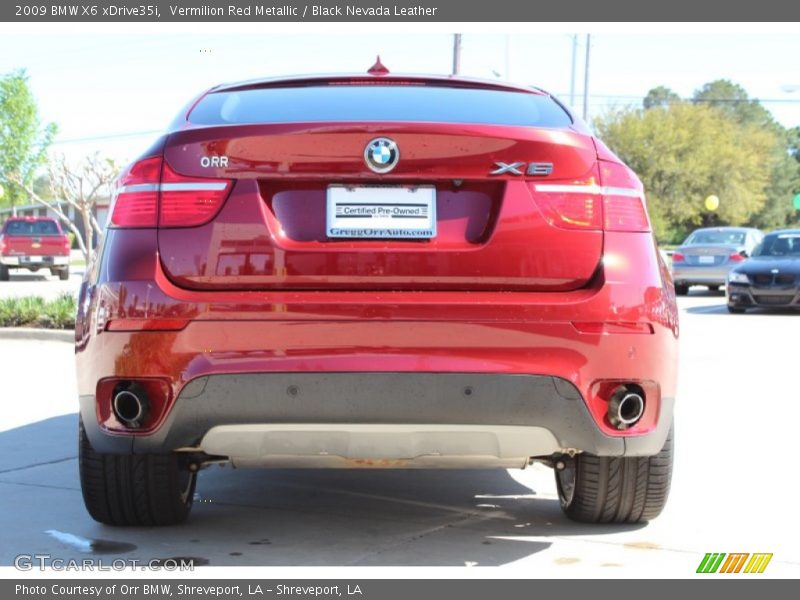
345, 445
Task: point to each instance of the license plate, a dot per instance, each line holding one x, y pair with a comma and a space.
404, 212
705, 260
35, 259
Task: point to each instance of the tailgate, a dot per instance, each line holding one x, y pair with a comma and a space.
272, 231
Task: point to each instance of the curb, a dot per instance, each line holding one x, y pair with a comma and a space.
43, 335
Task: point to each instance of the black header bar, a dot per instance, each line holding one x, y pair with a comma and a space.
431, 11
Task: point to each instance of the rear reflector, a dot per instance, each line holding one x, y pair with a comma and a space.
146, 324
150, 193
612, 327
618, 205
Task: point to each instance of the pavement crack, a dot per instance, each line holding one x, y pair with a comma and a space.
39, 485
415, 537
41, 464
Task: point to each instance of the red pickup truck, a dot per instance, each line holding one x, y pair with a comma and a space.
34, 243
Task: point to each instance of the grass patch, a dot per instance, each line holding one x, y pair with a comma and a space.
35, 311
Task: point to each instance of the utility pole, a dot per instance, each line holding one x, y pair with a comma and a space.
508, 57
586, 78
456, 53
572, 75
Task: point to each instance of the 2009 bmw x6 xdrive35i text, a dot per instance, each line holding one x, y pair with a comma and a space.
376, 271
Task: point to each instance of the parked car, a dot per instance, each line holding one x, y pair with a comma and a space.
771, 277
376, 271
34, 243
707, 255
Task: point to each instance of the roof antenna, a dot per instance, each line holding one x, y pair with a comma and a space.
378, 69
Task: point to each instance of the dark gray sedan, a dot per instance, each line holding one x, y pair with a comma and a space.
771, 278
707, 255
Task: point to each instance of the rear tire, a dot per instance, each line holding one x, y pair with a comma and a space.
736, 310
63, 274
681, 290
4, 275
134, 489
603, 489
713, 288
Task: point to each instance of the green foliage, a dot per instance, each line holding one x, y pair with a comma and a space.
732, 100
784, 184
723, 143
660, 96
23, 139
685, 152
34, 311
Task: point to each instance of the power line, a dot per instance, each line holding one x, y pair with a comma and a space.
110, 136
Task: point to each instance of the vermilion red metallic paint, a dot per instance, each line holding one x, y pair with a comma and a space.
437, 331
235, 329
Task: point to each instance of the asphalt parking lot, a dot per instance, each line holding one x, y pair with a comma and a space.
734, 489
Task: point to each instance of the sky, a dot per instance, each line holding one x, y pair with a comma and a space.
114, 92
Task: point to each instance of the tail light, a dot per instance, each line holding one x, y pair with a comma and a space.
736, 257
616, 205
678, 257
150, 193
2, 244
575, 205
135, 203
623, 199
187, 201
67, 244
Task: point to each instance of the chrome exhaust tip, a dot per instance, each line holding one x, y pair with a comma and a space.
130, 406
625, 408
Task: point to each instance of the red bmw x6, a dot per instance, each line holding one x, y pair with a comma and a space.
376, 271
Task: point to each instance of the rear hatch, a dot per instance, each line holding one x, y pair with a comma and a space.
475, 159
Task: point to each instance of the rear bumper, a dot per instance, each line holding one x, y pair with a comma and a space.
361, 419
700, 275
398, 359
26, 262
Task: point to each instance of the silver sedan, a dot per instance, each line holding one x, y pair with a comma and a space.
708, 254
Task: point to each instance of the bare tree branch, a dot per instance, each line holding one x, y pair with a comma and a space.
79, 186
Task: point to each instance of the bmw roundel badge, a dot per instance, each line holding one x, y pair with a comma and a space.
381, 155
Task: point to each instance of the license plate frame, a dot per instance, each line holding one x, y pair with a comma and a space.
394, 212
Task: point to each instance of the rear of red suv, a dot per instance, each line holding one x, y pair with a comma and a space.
376, 272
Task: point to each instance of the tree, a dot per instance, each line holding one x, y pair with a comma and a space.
23, 140
784, 184
793, 136
660, 96
733, 100
685, 152
80, 187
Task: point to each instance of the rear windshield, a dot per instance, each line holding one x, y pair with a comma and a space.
412, 103
782, 244
716, 237
31, 228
